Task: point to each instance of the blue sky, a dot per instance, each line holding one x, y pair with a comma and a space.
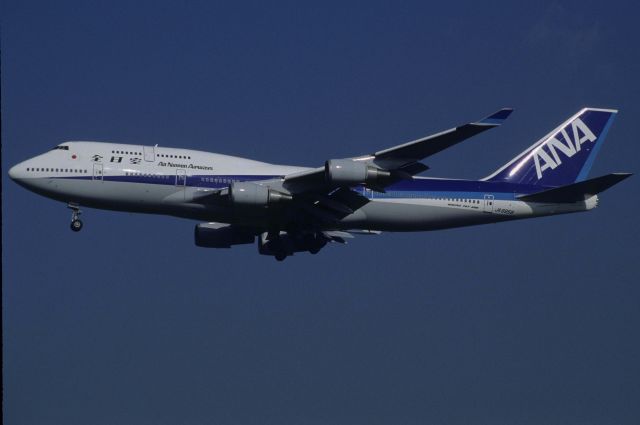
128, 322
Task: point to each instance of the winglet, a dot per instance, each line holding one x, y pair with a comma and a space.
496, 118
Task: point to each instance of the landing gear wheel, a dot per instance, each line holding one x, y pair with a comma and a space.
280, 256
76, 225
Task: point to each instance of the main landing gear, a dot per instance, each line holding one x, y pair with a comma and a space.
76, 223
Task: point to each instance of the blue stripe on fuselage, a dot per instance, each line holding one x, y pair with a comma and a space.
414, 188
430, 188
207, 180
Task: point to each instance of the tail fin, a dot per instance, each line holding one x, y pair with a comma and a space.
563, 156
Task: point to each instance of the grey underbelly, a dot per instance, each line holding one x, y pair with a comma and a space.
401, 216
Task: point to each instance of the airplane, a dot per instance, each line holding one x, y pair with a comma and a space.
292, 209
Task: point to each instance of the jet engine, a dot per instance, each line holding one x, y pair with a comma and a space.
254, 195
346, 172
216, 235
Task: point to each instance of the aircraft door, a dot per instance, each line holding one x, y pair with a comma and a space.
98, 172
149, 153
368, 193
181, 180
181, 177
488, 203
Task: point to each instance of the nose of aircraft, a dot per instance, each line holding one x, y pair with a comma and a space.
18, 172
13, 172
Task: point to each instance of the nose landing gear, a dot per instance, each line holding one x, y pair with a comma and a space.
76, 223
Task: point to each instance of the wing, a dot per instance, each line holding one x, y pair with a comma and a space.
400, 161
422, 148
318, 199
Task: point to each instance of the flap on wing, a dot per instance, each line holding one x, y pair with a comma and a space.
306, 180
414, 168
341, 236
333, 207
208, 195
364, 232
576, 192
337, 236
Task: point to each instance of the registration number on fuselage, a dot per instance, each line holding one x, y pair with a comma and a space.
504, 211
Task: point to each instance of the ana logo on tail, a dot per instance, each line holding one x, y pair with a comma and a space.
545, 160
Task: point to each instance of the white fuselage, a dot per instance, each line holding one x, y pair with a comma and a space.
170, 181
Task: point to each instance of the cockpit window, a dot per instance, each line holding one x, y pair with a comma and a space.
64, 148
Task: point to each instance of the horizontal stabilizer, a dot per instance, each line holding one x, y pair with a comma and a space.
577, 191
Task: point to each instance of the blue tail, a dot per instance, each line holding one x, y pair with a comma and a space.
563, 156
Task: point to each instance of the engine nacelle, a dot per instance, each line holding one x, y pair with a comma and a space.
254, 195
345, 172
216, 235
